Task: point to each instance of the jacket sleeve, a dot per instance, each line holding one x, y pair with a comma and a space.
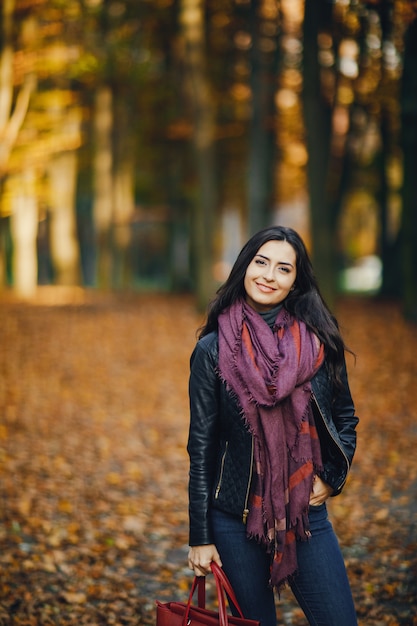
203, 440
344, 417
336, 424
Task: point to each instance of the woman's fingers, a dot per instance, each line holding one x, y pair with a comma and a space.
321, 491
201, 557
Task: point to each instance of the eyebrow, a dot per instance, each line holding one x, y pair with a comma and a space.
279, 262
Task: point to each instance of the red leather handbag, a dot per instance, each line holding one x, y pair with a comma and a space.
183, 614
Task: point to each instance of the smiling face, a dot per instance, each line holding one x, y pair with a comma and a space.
270, 275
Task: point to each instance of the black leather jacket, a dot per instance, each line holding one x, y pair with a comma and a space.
220, 446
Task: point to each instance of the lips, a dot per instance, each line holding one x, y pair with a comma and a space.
265, 288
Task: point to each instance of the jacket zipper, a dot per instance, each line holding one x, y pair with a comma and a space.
336, 442
219, 484
246, 510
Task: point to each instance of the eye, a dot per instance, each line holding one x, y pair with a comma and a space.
260, 262
284, 269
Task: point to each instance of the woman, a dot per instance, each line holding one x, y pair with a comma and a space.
272, 435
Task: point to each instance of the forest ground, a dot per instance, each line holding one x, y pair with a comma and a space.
93, 466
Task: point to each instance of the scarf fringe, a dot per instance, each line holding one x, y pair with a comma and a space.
283, 583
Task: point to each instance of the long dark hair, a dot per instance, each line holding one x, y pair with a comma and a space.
305, 301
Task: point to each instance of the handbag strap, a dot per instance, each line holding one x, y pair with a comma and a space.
200, 582
222, 586
201, 594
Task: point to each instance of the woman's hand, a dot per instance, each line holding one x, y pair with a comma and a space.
321, 491
201, 557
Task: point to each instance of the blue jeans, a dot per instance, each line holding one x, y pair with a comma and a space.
321, 586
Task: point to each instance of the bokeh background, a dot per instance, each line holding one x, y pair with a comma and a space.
141, 143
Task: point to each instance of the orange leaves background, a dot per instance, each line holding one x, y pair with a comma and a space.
93, 466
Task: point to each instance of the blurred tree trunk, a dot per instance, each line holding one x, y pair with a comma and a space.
192, 25
6, 78
123, 193
62, 171
261, 145
318, 116
12, 110
391, 264
389, 241
409, 191
103, 183
24, 229
6, 59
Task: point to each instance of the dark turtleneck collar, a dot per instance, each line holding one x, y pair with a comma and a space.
270, 316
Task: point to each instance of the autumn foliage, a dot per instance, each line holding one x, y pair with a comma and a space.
93, 466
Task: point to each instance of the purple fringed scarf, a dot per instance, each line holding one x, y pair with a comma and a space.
270, 374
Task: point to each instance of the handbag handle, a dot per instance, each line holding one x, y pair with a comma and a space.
222, 586
200, 582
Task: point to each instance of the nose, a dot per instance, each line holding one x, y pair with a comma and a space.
268, 273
